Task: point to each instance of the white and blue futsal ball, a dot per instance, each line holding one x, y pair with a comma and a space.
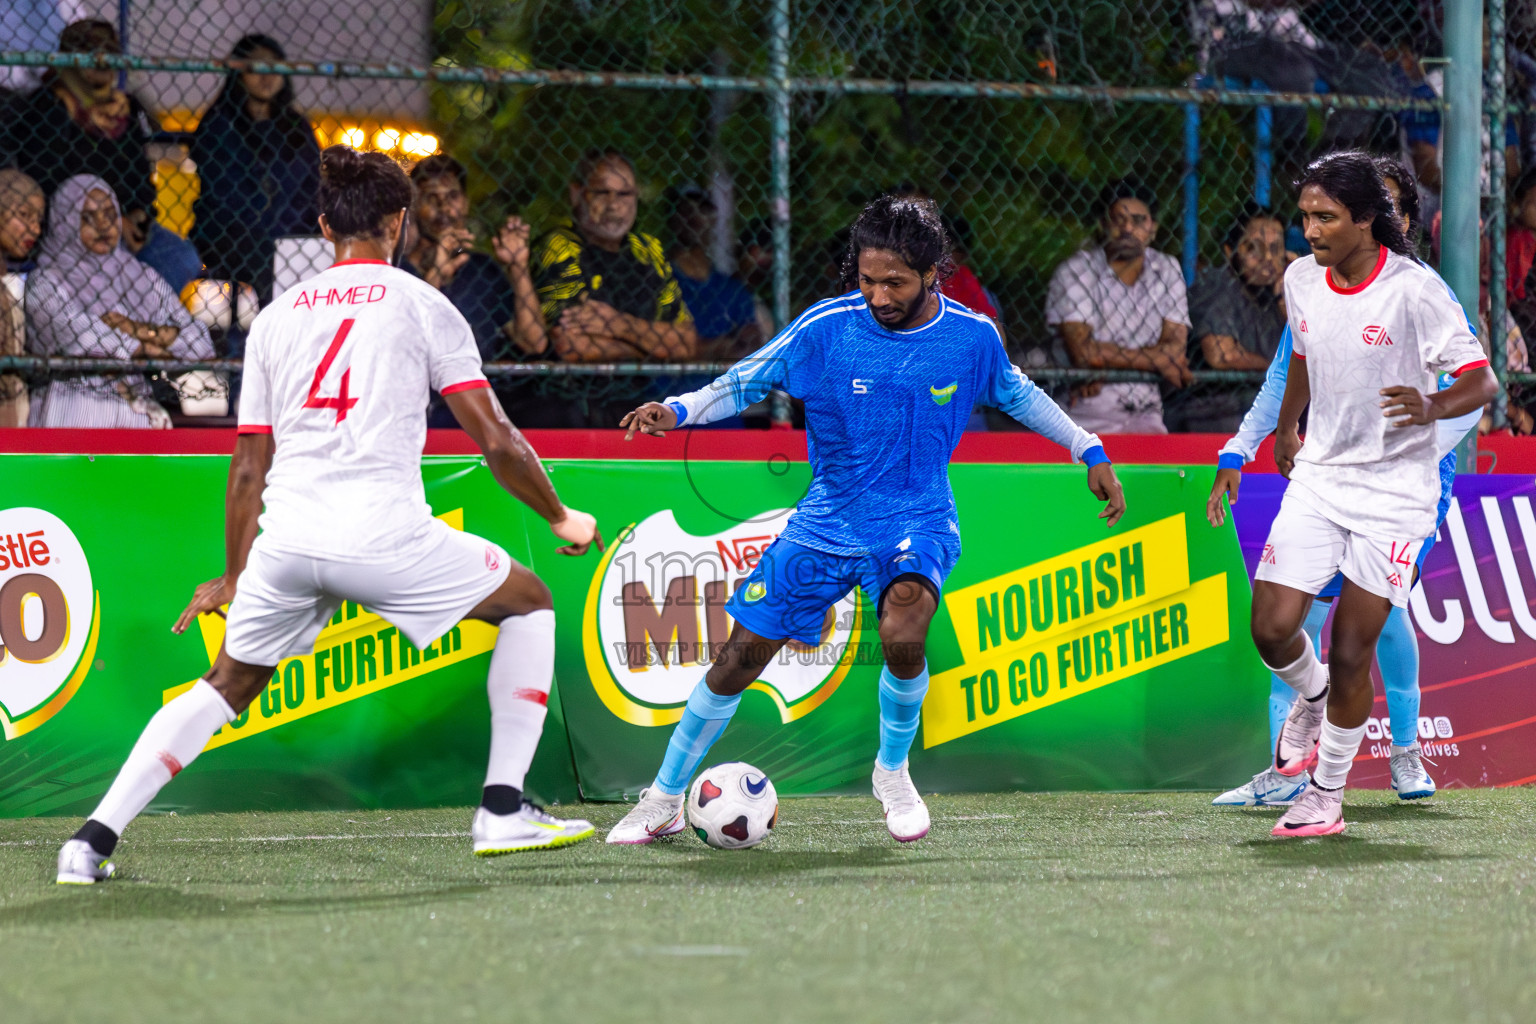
732, 806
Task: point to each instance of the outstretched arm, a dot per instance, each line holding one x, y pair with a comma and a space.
744, 384
1017, 395
1258, 424
242, 507
516, 466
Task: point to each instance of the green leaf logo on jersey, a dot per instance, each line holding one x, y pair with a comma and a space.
755, 592
941, 396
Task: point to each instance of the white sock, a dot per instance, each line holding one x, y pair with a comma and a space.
1306, 675
1336, 751
522, 669
171, 741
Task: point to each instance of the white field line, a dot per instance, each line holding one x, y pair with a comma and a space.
344, 837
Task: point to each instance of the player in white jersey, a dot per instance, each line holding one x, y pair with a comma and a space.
1372, 328
338, 374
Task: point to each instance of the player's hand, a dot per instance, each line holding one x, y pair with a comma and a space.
1406, 407
1106, 487
1287, 444
208, 597
578, 530
652, 418
1227, 482
510, 245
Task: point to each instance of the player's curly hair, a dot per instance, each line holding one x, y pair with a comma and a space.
359, 190
1352, 179
1395, 171
909, 226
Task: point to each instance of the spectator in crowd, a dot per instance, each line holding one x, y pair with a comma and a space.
963, 285
259, 164
754, 269
495, 294
90, 297
1268, 42
79, 122
1238, 314
21, 223
1122, 305
1520, 252
724, 316
607, 291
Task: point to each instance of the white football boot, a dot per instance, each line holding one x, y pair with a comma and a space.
80, 864
1267, 789
1409, 778
655, 816
906, 816
529, 827
1296, 749
1317, 812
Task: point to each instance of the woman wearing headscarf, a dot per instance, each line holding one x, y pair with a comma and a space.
90, 297
259, 163
80, 122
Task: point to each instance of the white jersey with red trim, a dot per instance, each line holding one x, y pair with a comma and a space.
1400, 326
339, 370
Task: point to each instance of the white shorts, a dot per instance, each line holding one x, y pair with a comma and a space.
283, 600
1306, 550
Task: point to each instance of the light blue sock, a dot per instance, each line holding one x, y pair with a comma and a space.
1281, 696
704, 719
1397, 652
901, 702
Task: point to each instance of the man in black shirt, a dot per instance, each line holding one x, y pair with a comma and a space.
607, 291
1237, 312
495, 295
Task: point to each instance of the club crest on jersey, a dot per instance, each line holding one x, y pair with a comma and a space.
941, 396
755, 592
1374, 335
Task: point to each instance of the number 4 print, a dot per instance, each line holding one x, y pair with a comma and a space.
343, 400
1400, 554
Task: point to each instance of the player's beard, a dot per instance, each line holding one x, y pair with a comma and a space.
913, 311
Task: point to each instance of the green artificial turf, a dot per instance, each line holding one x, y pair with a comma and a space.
1048, 907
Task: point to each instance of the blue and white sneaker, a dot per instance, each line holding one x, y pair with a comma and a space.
1409, 778
1267, 789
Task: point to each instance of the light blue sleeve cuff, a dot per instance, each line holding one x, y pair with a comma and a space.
1230, 460
1093, 456
680, 409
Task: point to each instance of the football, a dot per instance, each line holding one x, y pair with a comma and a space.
732, 806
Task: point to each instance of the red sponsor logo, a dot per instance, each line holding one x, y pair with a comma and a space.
1303, 327
1268, 558
22, 550
1374, 335
1395, 580
744, 552
491, 561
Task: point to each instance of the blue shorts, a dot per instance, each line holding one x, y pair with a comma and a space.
787, 595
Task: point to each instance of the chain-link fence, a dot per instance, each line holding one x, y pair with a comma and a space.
623, 196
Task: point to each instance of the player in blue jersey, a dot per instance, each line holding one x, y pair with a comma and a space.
889, 375
1397, 650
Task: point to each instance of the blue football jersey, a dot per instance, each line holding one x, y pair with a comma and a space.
884, 411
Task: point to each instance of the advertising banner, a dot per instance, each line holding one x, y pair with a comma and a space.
1064, 655
1477, 635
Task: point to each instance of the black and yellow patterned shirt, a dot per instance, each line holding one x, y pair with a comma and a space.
636, 280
